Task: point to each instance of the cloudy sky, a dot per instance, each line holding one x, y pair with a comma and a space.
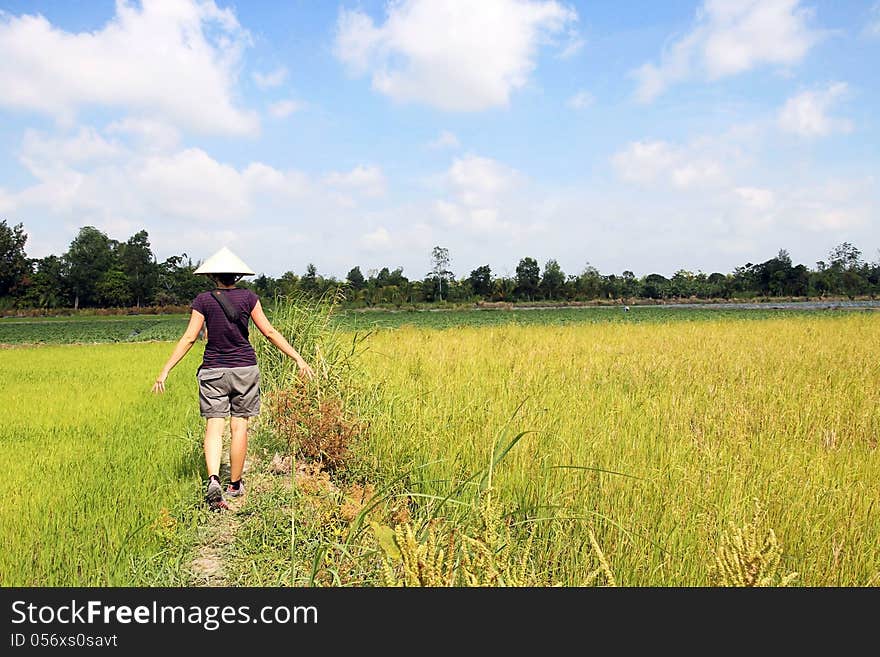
639, 135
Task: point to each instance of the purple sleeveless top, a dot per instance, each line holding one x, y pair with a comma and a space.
228, 344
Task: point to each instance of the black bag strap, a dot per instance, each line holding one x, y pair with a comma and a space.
231, 313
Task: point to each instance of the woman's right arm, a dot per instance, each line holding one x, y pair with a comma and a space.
273, 336
190, 335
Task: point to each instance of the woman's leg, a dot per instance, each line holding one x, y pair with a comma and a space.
214, 444
238, 446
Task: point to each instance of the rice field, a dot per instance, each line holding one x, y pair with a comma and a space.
90, 459
90, 329
656, 437
144, 328
649, 440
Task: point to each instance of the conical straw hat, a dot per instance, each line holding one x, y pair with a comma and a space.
224, 262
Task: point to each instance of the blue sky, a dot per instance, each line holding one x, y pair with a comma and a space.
648, 136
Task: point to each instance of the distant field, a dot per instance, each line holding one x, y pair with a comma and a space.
140, 328
442, 319
61, 330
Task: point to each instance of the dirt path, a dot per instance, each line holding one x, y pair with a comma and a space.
217, 535
212, 557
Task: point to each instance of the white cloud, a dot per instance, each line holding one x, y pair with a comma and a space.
174, 61
835, 206
284, 108
480, 181
192, 184
700, 198
186, 199
280, 185
378, 239
271, 79
487, 197
694, 165
445, 139
368, 180
731, 37
453, 56
87, 178
581, 100
807, 113
40, 153
152, 135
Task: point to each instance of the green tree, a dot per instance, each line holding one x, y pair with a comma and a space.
745, 280
528, 277
845, 257
48, 286
799, 281
589, 283
719, 285
288, 284
611, 287
139, 266
440, 272
382, 278
309, 282
655, 286
177, 282
481, 281
682, 284
265, 286
114, 289
14, 263
629, 284
845, 273
90, 256
553, 280
503, 289
397, 279
355, 278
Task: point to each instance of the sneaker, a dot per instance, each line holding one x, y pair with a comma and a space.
235, 492
214, 496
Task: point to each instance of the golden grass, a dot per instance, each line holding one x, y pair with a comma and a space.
655, 436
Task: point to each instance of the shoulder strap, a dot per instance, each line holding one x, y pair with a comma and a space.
231, 313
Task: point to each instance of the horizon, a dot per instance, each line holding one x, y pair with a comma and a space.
648, 137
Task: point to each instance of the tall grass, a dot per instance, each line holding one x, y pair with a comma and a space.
656, 438
310, 327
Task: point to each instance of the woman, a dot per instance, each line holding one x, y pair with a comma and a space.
229, 379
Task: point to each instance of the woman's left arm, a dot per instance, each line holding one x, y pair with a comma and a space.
196, 321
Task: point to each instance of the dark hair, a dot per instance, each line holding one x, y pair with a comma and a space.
226, 279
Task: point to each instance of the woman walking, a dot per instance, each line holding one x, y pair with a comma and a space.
229, 378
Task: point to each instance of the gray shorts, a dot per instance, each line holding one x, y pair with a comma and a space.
225, 391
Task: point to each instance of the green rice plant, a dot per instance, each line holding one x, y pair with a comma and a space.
91, 329
96, 467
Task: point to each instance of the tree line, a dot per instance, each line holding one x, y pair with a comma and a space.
99, 272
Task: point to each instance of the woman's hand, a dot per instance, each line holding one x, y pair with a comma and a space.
304, 369
159, 386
